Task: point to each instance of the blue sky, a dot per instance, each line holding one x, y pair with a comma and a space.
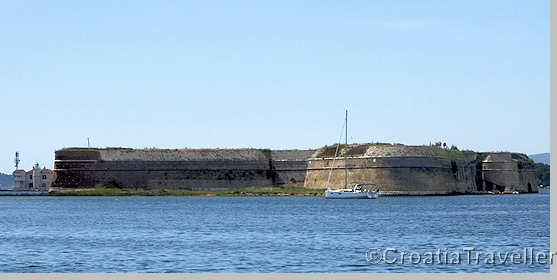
271, 74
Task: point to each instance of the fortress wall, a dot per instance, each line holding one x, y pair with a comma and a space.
194, 174
83, 154
74, 168
131, 165
502, 171
500, 165
295, 155
527, 177
498, 157
186, 169
183, 155
289, 166
399, 161
290, 171
184, 179
422, 171
507, 179
73, 179
397, 175
401, 150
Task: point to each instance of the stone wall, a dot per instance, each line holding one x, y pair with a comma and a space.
290, 171
184, 169
183, 154
396, 169
415, 170
508, 172
396, 175
289, 166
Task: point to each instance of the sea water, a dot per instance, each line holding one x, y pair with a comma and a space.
269, 234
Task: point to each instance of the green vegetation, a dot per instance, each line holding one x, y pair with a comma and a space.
542, 173
521, 158
453, 153
112, 190
479, 158
383, 144
522, 161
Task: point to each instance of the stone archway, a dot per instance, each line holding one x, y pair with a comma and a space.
530, 188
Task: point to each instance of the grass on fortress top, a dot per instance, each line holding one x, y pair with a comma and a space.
387, 149
252, 191
449, 153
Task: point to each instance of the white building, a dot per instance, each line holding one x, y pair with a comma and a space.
36, 179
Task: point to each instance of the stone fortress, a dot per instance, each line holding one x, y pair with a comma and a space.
396, 169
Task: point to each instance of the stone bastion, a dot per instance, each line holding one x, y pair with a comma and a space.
508, 172
419, 170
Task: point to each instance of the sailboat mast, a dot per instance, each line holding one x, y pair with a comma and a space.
346, 152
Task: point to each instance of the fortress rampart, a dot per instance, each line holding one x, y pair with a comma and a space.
188, 169
508, 172
396, 175
395, 169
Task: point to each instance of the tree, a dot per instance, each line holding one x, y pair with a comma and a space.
542, 173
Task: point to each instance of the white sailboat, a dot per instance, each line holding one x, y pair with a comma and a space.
359, 189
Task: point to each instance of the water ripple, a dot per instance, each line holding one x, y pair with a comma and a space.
261, 234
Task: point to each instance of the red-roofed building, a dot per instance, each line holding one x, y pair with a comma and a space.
36, 179
47, 171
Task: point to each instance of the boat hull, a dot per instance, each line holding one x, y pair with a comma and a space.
350, 195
